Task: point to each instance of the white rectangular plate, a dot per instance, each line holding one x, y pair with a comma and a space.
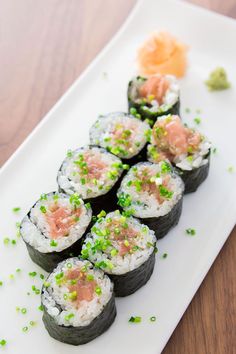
211, 210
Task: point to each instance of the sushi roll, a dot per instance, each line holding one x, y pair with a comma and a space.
124, 249
154, 194
78, 302
185, 148
152, 97
122, 134
92, 173
54, 227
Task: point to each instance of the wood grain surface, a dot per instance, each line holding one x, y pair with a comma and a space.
44, 46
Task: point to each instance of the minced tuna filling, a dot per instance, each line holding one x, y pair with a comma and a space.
123, 236
172, 140
80, 284
154, 88
60, 219
156, 92
90, 167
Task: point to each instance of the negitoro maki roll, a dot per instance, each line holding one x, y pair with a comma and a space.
78, 302
153, 97
122, 134
53, 228
153, 193
185, 148
124, 248
93, 173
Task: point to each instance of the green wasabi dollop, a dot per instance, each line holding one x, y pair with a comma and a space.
218, 80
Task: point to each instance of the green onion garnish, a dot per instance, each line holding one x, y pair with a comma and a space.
3, 342
135, 319
153, 318
15, 210
32, 274
43, 209
197, 120
165, 255
98, 290
190, 231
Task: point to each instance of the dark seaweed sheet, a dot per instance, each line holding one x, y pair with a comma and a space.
193, 179
128, 283
48, 261
83, 334
163, 224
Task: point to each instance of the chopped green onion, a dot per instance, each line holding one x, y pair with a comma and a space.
6, 240
13, 242
23, 310
114, 252
230, 169
101, 214
135, 319
3, 342
75, 200
53, 243
41, 276
32, 274
18, 270
69, 316
32, 323
69, 153
197, 120
187, 110
165, 255
25, 329
88, 206
46, 284
98, 290
43, 209
1, 283
15, 210
190, 231
43, 196
40, 308
153, 318
90, 277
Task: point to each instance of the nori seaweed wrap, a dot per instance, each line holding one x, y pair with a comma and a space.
78, 302
185, 148
94, 174
154, 194
150, 98
54, 228
124, 249
122, 134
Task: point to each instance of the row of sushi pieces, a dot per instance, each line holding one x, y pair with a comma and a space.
117, 196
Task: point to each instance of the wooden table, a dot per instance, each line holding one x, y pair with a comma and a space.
44, 46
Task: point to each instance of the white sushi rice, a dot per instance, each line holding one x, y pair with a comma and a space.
145, 205
58, 308
170, 98
69, 179
183, 161
35, 229
130, 261
105, 125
